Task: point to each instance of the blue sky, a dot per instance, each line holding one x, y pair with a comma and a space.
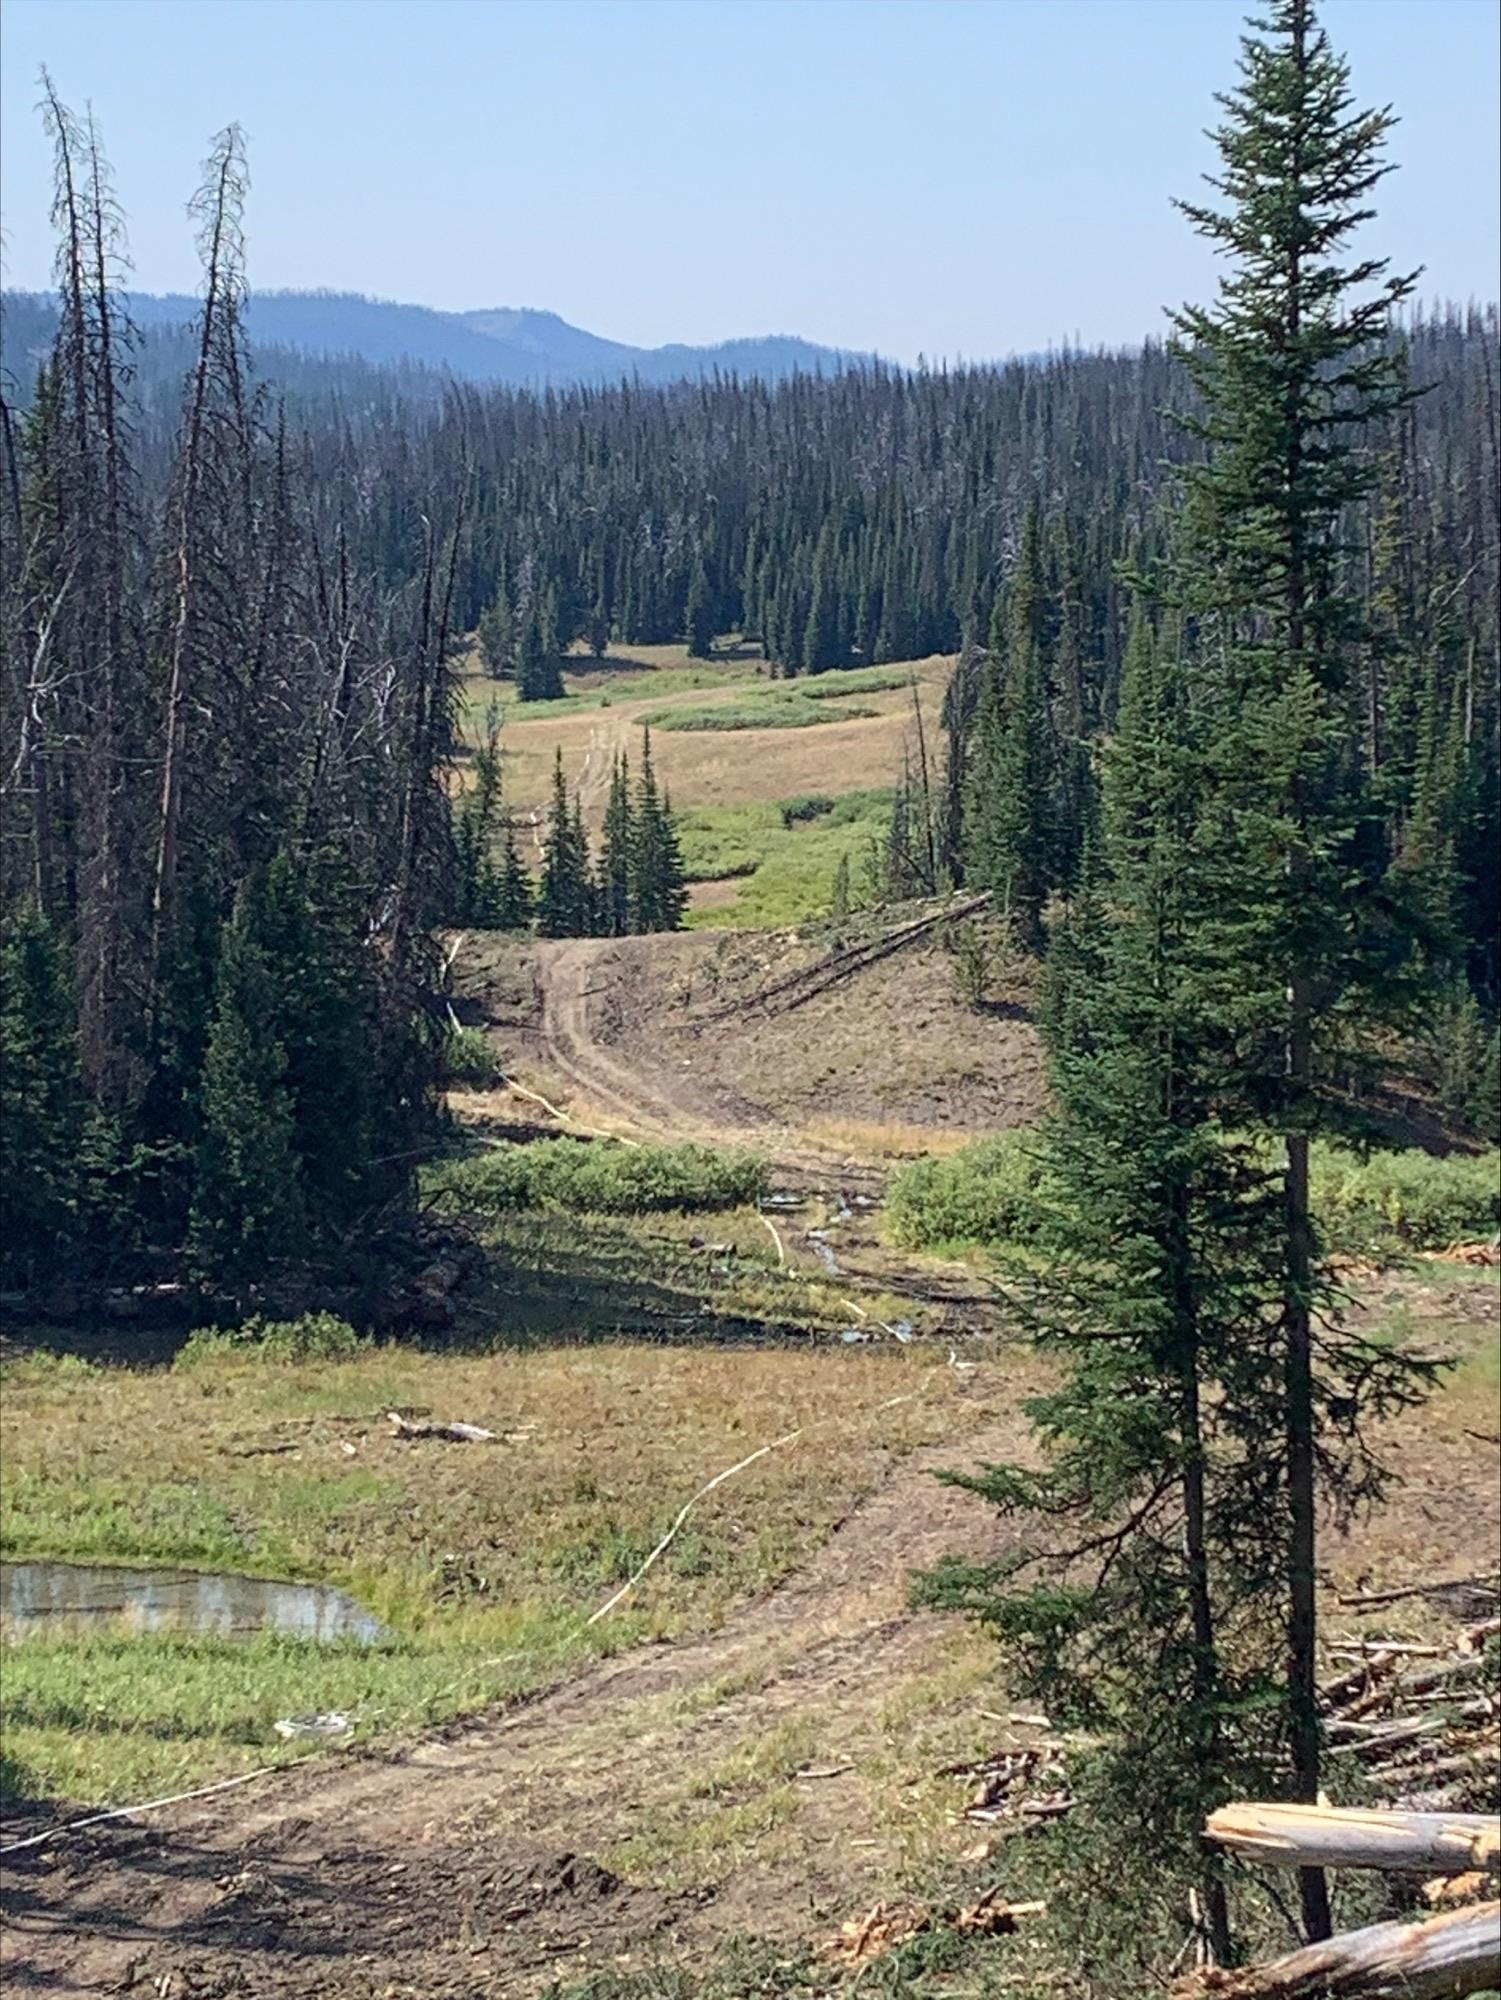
947, 177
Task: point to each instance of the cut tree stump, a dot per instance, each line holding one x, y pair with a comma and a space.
1441, 1958
1288, 1836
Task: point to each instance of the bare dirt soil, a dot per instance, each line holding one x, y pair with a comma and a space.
667, 1037
467, 1862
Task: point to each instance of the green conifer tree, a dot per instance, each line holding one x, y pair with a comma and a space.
247, 1214
538, 677
1294, 372
659, 893
562, 902
699, 616
617, 861
1009, 833
497, 634
41, 1102
515, 899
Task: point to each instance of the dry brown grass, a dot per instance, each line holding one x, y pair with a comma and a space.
699, 768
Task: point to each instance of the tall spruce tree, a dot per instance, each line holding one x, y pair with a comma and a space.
247, 1214
660, 892
515, 899
41, 1102
698, 617
538, 676
563, 899
1295, 367
1009, 846
618, 858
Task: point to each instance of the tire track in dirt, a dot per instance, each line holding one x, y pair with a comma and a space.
660, 1103
448, 1864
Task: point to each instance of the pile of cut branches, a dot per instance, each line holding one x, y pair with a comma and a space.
1422, 1720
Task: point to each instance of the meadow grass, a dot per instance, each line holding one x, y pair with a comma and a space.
595, 684
482, 1561
767, 712
787, 861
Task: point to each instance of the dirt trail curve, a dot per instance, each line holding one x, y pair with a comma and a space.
654, 1101
454, 1864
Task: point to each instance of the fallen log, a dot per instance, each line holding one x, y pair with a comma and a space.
1289, 1836
792, 989
1369, 1600
406, 1427
1441, 1958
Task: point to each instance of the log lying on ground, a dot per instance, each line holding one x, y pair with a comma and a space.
404, 1427
1288, 1836
1441, 1958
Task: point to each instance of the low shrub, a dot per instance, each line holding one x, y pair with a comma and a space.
982, 1196
808, 805
1382, 1204
469, 1057
320, 1336
602, 1177
1390, 1202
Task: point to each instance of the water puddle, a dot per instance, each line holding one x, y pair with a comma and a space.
93, 1597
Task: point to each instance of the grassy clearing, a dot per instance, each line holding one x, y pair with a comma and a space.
787, 855
986, 1197
651, 673
482, 1560
774, 712
801, 704
601, 1177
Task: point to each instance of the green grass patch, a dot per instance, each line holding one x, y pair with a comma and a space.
770, 712
796, 704
112, 1717
483, 1562
602, 1177
787, 851
478, 693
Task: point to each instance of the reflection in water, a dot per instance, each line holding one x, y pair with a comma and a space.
90, 1596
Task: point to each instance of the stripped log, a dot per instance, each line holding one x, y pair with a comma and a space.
1441, 1958
1287, 1836
405, 1427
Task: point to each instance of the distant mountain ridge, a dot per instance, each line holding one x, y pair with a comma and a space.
516, 346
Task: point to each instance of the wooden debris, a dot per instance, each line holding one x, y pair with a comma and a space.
883, 1927
1445, 1890
1484, 1255
1421, 1719
1488, 1583
1009, 1782
993, 1916
1292, 1836
408, 1427
886, 1925
1441, 1958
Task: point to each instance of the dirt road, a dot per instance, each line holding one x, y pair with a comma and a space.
461, 1863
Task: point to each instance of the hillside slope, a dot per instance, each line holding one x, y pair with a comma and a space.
521, 348
665, 1037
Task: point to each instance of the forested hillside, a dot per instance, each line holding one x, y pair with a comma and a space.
230, 625
1093, 1112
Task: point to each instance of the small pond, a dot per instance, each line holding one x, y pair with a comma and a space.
89, 1597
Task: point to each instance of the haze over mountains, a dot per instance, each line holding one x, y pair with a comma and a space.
519, 347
